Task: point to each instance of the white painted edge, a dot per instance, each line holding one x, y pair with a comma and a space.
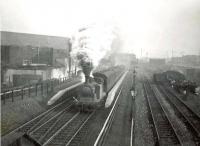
106, 122
131, 139
59, 94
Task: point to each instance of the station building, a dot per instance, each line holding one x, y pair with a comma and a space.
29, 58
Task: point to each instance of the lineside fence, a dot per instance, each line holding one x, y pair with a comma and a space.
43, 88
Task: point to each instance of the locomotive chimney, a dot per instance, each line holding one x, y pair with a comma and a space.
87, 68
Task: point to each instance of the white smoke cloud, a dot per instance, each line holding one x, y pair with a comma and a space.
93, 43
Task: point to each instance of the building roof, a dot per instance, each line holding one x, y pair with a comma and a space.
25, 39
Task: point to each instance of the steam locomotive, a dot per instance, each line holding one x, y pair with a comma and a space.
92, 93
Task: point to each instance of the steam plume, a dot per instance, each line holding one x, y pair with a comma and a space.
91, 44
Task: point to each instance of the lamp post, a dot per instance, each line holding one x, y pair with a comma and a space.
133, 91
133, 94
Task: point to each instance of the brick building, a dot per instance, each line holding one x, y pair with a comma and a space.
32, 57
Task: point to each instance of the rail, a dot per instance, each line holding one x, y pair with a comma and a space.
67, 132
42, 117
191, 119
165, 131
47, 129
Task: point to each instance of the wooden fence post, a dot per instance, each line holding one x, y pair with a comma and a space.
52, 86
47, 88
36, 89
41, 88
12, 95
4, 98
29, 91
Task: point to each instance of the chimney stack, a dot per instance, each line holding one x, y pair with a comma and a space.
87, 68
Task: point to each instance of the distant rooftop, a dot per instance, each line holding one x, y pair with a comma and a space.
25, 39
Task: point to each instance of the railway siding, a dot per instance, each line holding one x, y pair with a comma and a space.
165, 131
176, 119
191, 120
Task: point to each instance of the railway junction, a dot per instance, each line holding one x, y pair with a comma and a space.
141, 109
100, 73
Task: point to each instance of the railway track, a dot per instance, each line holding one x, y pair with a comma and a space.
47, 129
188, 116
37, 121
69, 130
165, 132
78, 138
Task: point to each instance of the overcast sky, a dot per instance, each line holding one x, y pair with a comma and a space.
155, 26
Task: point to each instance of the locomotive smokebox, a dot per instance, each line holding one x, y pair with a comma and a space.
87, 68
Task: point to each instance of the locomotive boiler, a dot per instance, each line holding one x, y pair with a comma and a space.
92, 93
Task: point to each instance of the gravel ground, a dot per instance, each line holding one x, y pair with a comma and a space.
16, 113
193, 101
143, 133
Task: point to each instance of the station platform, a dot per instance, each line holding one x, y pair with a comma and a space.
112, 93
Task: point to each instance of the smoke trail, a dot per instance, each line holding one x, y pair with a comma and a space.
91, 44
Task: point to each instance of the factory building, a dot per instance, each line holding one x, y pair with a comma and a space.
157, 61
186, 60
125, 59
27, 58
